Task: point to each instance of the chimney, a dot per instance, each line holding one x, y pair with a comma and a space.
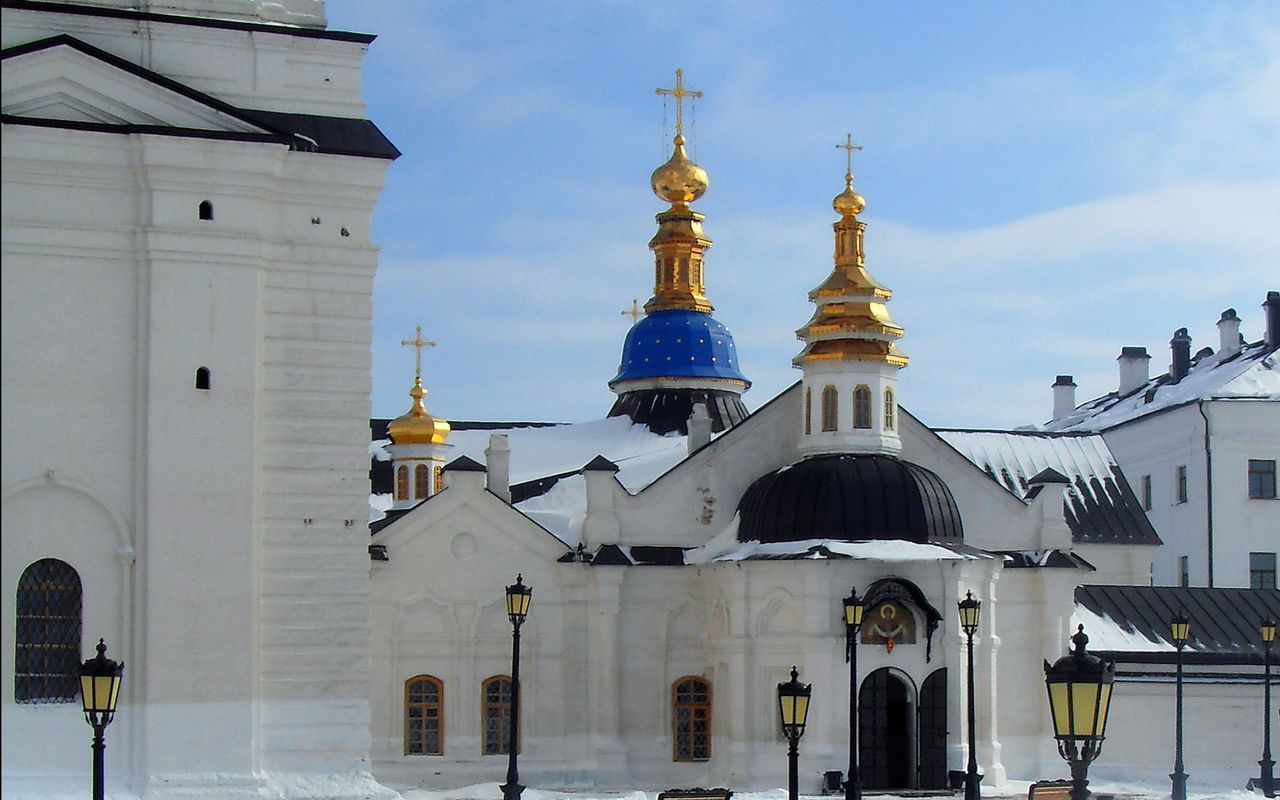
699, 427
1064, 396
1271, 309
601, 523
497, 458
1180, 347
1135, 368
1228, 334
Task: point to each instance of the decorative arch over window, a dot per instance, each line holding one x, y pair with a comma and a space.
46, 666
203, 377
205, 210
862, 407
691, 719
402, 482
421, 481
830, 409
808, 410
495, 705
424, 716
888, 409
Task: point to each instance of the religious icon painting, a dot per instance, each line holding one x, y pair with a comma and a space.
889, 624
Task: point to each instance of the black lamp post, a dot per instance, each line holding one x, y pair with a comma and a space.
1180, 627
99, 691
1267, 783
793, 709
852, 623
970, 612
518, 597
1079, 687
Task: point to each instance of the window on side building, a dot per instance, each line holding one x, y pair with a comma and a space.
424, 716
46, 665
1262, 570
1184, 571
1262, 479
1180, 479
691, 719
1146, 492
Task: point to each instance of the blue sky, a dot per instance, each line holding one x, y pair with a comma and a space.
1045, 183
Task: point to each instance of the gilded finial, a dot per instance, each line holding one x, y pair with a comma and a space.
417, 425
679, 93
679, 181
848, 203
634, 312
417, 342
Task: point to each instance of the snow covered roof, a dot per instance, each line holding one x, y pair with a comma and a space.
1100, 504
1132, 622
1252, 373
725, 546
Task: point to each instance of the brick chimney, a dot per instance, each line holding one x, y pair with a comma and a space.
1180, 355
1228, 334
1135, 368
1271, 308
1064, 396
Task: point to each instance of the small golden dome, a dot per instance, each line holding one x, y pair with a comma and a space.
418, 426
679, 181
848, 203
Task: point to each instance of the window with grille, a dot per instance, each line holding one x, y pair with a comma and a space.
495, 701
421, 481
830, 409
691, 719
808, 411
424, 716
1262, 479
46, 666
1262, 570
888, 409
862, 408
402, 483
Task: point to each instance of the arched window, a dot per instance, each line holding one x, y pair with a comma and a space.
888, 409
421, 481
402, 482
206, 209
495, 702
862, 407
808, 410
202, 378
691, 719
46, 666
830, 409
424, 716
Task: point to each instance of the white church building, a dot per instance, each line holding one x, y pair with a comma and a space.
188, 473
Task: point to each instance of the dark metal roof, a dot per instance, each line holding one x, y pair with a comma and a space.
612, 555
464, 464
339, 136
849, 497
667, 410
1224, 622
600, 464
1042, 559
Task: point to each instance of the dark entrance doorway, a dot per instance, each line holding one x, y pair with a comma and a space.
886, 718
933, 731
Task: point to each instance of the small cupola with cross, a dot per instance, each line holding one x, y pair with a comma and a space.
418, 449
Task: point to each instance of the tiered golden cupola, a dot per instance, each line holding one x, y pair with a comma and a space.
679, 244
418, 442
850, 359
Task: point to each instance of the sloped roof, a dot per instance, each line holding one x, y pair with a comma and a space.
1252, 373
1133, 621
1100, 505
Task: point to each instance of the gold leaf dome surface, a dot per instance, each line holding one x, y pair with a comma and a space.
418, 426
679, 181
848, 203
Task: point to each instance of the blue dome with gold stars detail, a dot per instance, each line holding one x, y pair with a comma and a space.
679, 344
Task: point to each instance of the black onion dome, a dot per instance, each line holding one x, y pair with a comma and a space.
850, 497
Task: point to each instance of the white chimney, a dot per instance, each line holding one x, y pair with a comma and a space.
497, 459
1064, 396
699, 427
1228, 334
1135, 368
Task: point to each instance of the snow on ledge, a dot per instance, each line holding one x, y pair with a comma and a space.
1106, 634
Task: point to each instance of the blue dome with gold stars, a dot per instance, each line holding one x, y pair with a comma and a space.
679, 344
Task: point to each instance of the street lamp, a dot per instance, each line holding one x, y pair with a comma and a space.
1079, 687
853, 609
1268, 782
793, 710
518, 597
1180, 627
99, 691
970, 612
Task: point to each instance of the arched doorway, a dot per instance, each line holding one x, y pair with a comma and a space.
887, 730
933, 730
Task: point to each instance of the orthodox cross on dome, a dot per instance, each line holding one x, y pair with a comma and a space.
679, 93
417, 343
634, 312
848, 147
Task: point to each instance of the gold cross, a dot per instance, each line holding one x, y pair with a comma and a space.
417, 343
679, 93
848, 147
634, 312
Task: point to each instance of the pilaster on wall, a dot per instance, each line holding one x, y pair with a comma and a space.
605, 686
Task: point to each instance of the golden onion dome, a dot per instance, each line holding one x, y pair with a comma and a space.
418, 426
679, 181
848, 203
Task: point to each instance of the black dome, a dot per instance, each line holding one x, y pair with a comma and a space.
850, 497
